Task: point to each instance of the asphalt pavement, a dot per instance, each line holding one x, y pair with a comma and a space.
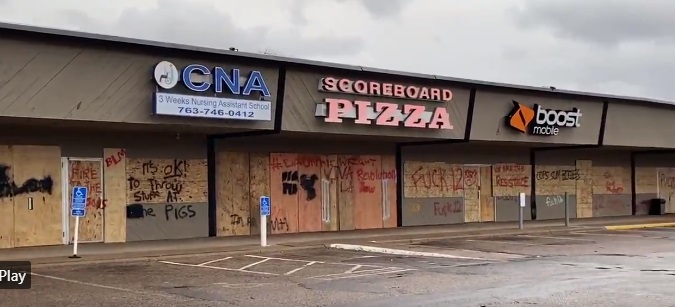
577, 268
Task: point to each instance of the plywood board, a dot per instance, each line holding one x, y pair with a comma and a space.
284, 188
6, 200
511, 179
368, 201
610, 180
389, 215
310, 193
329, 193
232, 186
89, 174
487, 205
556, 180
37, 173
471, 177
432, 179
345, 175
159, 181
584, 189
115, 194
259, 166
240, 194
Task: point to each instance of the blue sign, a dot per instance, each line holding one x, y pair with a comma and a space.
79, 201
265, 205
199, 78
78, 212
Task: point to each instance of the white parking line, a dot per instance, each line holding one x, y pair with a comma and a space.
307, 263
214, 261
300, 268
360, 273
282, 259
253, 264
561, 238
356, 267
365, 275
217, 268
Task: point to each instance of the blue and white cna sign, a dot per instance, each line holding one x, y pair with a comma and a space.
200, 79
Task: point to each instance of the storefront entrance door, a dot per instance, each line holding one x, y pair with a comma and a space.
85, 173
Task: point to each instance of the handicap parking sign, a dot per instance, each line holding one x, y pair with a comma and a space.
265, 205
79, 201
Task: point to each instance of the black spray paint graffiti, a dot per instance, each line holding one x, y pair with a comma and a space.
240, 221
8, 187
291, 180
171, 212
307, 183
165, 181
279, 224
289, 183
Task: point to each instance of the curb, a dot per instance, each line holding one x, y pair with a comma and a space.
639, 226
393, 251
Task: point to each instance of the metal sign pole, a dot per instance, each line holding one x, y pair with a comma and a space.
265, 208
263, 230
567, 212
521, 211
77, 231
78, 209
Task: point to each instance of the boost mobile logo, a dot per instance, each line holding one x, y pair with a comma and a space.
540, 121
520, 117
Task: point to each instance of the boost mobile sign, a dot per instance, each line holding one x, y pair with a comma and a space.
540, 121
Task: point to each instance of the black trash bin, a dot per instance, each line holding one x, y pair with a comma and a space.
657, 206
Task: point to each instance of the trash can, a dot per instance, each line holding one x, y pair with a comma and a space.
657, 206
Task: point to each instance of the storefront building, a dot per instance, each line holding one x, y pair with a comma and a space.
177, 142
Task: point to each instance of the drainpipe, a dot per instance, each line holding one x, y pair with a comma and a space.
533, 158
399, 155
211, 149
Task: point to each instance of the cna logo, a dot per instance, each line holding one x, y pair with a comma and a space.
166, 75
520, 117
540, 121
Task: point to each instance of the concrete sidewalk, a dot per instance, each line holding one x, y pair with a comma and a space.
285, 242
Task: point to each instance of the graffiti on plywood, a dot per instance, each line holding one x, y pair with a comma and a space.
9, 188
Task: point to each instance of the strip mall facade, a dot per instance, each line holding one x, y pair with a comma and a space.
178, 142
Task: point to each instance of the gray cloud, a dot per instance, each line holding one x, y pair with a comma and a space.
382, 8
607, 22
183, 22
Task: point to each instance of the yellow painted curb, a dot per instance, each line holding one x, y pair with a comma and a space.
638, 226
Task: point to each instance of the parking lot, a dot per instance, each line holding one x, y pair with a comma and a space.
327, 277
583, 242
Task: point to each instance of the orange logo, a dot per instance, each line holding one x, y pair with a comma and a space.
520, 117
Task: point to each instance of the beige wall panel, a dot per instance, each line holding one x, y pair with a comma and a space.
115, 195
38, 170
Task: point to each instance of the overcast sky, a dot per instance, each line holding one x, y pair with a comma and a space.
621, 47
